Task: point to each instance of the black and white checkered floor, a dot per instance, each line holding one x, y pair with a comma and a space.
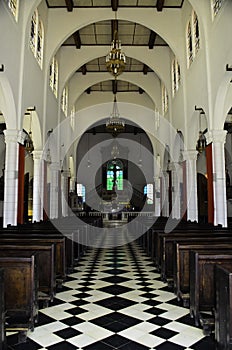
115, 300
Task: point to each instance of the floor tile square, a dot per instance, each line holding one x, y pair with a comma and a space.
62, 346
115, 303
160, 321
115, 289
169, 346
72, 321
163, 333
67, 333
116, 341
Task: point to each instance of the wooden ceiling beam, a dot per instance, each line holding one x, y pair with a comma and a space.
141, 91
70, 5
84, 69
114, 5
145, 69
88, 91
152, 38
114, 26
160, 5
114, 87
77, 39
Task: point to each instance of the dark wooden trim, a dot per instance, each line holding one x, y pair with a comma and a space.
209, 167
145, 69
84, 69
114, 86
2, 68
69, 5
114, 5
160, 5
21, 165
141, 91
228, 68
152, 38
77, 39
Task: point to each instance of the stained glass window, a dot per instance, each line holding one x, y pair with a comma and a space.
148, 190
216, 6
81, 191
114, 175
196, 32
64, 101
189, 44
34, 29
164, 99
13, 5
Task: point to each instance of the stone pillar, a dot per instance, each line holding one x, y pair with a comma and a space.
219, 177
176, 195
165, 191
157, 196
11, 178
65, 191
38, 186
54, 191
190, 158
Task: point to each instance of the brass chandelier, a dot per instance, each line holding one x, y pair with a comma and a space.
115, 124
115, 59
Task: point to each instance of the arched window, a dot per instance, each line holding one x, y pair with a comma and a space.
53, 76
14, 6
37, 37
216, 6
114, 176
175, 76
64, 101
72, 121
189, 44
193, 38
196, 32
34, 30
148, 191
56, 72
164, 99
40, 44
81, 191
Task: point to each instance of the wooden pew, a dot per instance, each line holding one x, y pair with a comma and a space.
57, 240
189, 230
181, 263
167, 248
20, 293
202, 286
223, 308
2, 312
45, 266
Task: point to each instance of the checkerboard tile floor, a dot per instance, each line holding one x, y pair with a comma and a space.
115, 300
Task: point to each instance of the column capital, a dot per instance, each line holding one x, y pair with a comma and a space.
11, 135
37, 154
66, 173
190, 154
55, 166
216, 136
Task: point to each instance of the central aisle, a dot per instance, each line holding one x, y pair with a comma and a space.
115, 300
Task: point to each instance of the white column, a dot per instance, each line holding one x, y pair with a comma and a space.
54, 190
190, 157
157, 195
219, 177
38, 186
11, 179
176, 180
72, 184
165, 189
64, 192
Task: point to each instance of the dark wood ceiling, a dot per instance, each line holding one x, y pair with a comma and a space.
101, 34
